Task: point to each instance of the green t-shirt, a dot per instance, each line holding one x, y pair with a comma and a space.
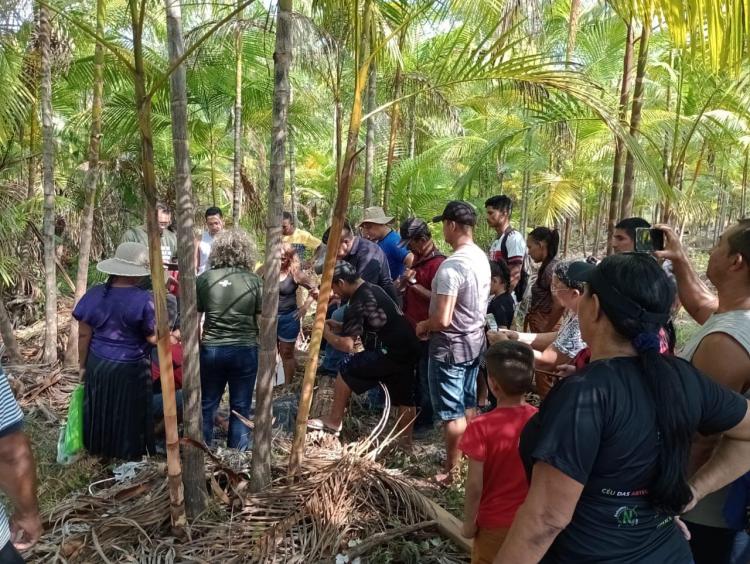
230, 298
168, 241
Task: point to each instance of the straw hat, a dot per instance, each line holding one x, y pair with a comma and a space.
131, 259
375, 214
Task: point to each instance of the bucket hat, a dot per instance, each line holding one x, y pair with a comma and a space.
131, 259
375, 214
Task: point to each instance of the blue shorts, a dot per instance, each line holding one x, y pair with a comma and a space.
453, 388
288, 327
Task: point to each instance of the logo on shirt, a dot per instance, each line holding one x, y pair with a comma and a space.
225, 283
626, 516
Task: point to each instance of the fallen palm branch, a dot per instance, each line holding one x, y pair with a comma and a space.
342, 502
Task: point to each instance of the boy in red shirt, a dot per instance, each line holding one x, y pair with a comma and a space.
496, 485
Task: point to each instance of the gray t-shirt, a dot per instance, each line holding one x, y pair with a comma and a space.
466, 275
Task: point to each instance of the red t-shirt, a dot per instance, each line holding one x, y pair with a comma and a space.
417, 307
493, 438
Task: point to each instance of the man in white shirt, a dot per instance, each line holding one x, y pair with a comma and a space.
510, 245
455, 327
720, 349
214, 226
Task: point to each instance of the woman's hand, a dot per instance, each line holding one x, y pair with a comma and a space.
501, 335
469, 530
301, 311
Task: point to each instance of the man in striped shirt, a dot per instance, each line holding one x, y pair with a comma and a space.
17, 481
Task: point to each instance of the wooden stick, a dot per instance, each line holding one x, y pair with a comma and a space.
448, 525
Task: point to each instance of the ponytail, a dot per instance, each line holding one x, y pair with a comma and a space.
669, 490
552, 238
108, 285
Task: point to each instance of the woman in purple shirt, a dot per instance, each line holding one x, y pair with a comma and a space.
116, 327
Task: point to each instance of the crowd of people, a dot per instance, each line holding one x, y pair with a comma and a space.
636, 447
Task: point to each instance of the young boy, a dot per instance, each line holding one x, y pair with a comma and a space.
502, 306
496, 484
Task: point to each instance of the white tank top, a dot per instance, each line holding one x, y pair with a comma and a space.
709, 511
204, 249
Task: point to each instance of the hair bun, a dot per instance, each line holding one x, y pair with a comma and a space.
645, 342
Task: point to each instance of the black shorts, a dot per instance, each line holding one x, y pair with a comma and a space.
365, 370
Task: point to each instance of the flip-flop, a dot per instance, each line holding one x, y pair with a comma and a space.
319, 425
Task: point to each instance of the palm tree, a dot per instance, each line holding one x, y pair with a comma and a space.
48, 180
90, 183
194, 474
261, 462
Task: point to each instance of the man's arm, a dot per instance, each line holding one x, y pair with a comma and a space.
18, 482
341, 343
695, 296
728, 462
726, 362
514, 265
443, 316
548, 509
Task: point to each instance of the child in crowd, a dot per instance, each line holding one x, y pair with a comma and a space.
502, 306
496, 484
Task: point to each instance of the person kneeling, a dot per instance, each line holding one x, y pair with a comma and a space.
496, 483
391, 350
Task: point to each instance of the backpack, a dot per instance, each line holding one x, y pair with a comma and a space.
523, 282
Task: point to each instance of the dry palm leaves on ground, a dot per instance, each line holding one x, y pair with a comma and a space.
344, 502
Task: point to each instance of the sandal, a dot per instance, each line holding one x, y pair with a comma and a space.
320, 425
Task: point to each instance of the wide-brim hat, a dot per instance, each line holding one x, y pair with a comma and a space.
131, 259
375, 214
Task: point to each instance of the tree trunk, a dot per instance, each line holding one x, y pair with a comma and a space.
598, 224
292, 169
575, 12
143, 107
743, 198
370, 137
412, 147
261, 461
237, 180
395, 121
614, 200
194, 477
628, 185
31, 172
89, 185
526, 187
342, 202
48, 181
9, 338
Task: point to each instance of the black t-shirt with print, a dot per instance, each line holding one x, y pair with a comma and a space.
374, 317
599, 428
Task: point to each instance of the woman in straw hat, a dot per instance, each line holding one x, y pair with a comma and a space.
116, 324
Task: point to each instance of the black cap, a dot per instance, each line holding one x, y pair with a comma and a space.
581, 271
458, 211
413, 228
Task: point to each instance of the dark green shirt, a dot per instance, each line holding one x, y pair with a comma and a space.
230, 298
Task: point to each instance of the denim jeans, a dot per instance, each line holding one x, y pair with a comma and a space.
453, 388
334, 357
236, 365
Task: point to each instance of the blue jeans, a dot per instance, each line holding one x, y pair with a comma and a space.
424, 402
334, 357
453, 388
236, 365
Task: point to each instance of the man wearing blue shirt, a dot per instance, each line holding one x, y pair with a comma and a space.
17, 481
374, 226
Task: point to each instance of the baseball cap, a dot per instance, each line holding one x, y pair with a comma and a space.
412, 228
458, 211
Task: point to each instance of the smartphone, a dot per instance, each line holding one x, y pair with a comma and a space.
491, 322
648, 239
